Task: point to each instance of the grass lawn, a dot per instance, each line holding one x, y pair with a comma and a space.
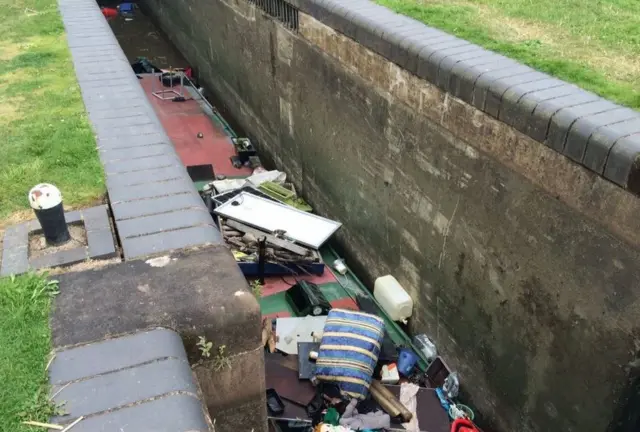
592, 43
44, 132
24, 349
44, 137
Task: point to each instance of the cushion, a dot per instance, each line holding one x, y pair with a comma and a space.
349, 350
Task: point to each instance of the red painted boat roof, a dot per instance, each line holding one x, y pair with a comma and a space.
183, 121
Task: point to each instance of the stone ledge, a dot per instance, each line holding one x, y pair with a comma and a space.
142, 168
141, 381
605, 139
195, 292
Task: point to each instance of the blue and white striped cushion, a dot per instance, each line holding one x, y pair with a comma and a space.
349, 350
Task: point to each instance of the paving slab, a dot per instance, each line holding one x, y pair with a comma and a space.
100, 243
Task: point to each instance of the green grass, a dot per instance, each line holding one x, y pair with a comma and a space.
44, 132
592, 43
24, 348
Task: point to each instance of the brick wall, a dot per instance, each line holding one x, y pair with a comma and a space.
520, 256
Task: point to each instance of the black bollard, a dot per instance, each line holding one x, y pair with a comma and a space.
46, 201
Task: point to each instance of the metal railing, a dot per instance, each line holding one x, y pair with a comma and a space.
280, 10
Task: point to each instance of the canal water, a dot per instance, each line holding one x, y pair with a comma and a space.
140, 37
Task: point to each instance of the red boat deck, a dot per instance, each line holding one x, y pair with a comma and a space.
183, 121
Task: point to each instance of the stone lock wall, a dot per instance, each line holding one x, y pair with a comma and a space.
505, 209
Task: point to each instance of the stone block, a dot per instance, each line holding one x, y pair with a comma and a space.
582, 129
563, 119
369, 26
101, 244
14, 261
164, 242
440, 54
109, 83
427, 69
458, 70
542, 114
519, 115
124, 387
135, 110
15, 236
112, 155
117, 106
95, 218
416, 42
141, 164
604, 139
401, 42
119, 180
164, 222
199, 293
623, 163
494, 79
110, 355
130, 131
94, 94
450, 61
133, 141
465, 79
180, 412
60, 258
243, 382
150, 190
127, 210
92, 77
511, 97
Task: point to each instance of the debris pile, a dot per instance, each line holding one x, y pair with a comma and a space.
328, 368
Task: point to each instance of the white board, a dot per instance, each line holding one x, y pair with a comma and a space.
302, 227
291, 330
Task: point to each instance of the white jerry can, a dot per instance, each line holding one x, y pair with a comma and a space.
393, 298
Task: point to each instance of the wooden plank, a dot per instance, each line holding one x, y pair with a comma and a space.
271, 239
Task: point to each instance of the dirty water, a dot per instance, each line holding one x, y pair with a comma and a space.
140, 37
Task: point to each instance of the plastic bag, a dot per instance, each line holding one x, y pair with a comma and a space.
426, 346
451, 385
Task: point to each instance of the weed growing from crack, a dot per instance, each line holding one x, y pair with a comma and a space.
256, 288
219, 361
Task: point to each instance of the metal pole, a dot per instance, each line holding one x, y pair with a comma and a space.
46, 202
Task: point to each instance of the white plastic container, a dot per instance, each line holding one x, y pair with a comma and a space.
393, 298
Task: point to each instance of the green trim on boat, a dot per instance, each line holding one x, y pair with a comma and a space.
355, 289
276, 303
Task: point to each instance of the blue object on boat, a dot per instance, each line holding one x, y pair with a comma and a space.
126, 8
406, 361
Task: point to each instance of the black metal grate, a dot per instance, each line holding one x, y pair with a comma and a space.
280, 10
